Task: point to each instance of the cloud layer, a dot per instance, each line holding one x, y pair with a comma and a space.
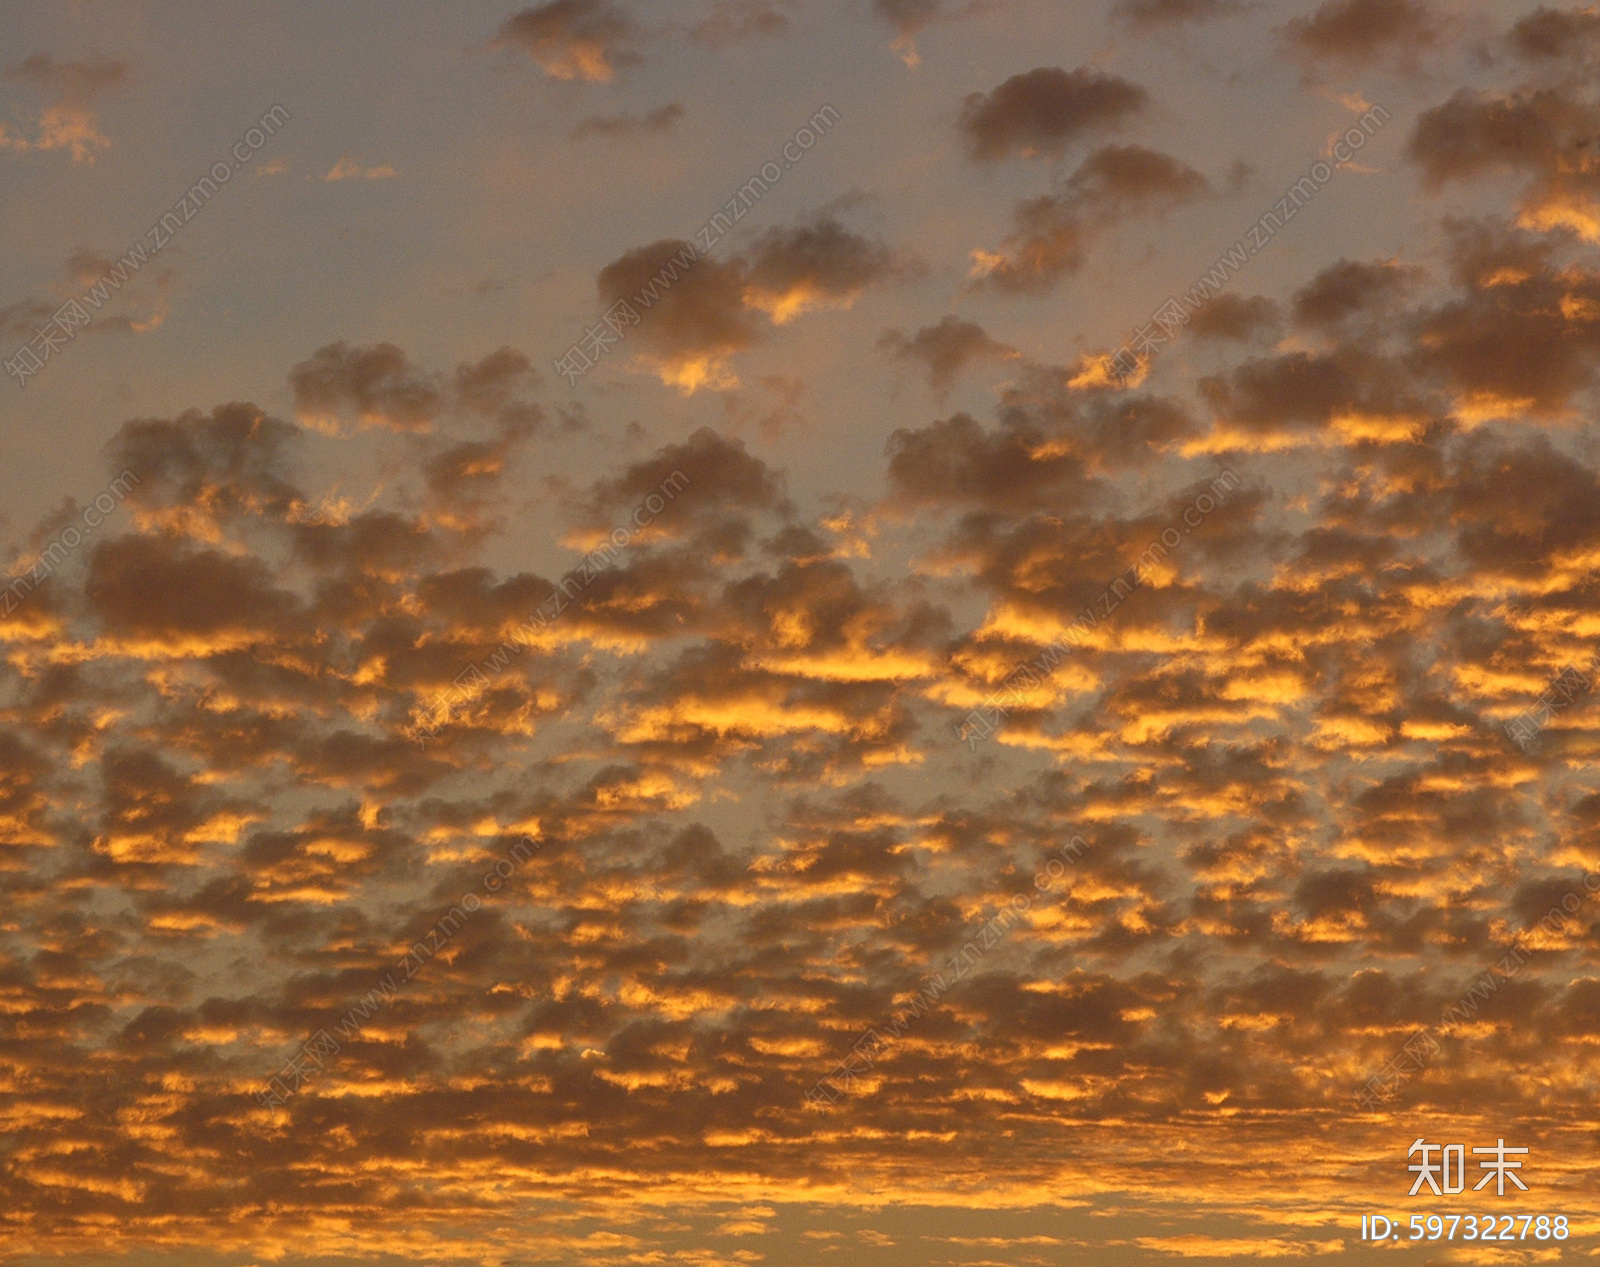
1022, 844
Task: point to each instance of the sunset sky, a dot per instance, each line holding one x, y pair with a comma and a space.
795, 632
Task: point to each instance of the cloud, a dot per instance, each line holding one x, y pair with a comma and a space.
626, 125
791, 754
1103, 431
723, 474
908, 18
573, 39
201, 474
1553, 33
1546, 134
226, 720
74, 82
349, 168
1042, 112
1147, 15
1197, 1246
464, 478
1125, 179
1051, 234
21, 319
1285, 391
698, 312
1519, 501
492, 385
166, 598
698, 319
734, 21
376, 386
1521, 332
818, 265
775, 412
67, 121
1350, 288
945, 349
119, 311
1234, 317
1475, 132
1360, 32
956, 460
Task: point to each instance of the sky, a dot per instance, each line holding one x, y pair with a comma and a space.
798, 632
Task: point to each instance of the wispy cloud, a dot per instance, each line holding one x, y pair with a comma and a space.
350, 167
70, 88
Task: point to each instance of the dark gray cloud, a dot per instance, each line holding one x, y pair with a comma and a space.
696, 320
907, 17
146, 588
232, 464
1042, 112
73, 82
1293, 389
573, 39
1475, 132
1234, 317
945, 349
958, 461
624, 125
819, 264
735, 21
1351, 288
1146, 15
377, 386
1052, 233
1520, 334
1359, 32
698, 312
69, 88
723, 474
1552, 33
